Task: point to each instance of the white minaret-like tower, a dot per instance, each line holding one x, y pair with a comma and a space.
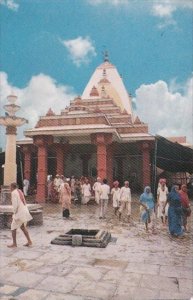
11, 122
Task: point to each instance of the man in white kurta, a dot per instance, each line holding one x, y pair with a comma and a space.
86, 191
20, 215
125, 199
96, 188
162, 193
104, 197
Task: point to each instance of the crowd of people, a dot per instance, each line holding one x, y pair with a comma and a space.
172, 208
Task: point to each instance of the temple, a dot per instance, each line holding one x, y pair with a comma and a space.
96, 135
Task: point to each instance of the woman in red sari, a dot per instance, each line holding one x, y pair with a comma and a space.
185, 205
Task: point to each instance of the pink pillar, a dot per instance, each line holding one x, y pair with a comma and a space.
42, 143
101, 160
60, 160
146, 164
101, 140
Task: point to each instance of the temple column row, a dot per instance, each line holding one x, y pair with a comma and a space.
104, 149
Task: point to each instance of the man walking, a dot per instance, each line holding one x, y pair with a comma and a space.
104, 197
20, 216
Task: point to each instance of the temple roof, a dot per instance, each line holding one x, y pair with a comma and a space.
107, 75
105, 107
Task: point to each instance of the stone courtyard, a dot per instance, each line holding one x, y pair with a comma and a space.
134, 265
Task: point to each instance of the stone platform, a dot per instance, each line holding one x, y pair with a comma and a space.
6, 212
84, 237
137, 266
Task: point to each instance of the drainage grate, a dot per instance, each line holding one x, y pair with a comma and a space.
84, 237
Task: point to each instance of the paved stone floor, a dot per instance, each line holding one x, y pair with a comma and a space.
134, 265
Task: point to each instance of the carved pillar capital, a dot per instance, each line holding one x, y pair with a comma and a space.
11, 130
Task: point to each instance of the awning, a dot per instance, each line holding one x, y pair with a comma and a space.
173, 157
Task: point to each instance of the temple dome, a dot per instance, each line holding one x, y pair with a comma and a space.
113, 83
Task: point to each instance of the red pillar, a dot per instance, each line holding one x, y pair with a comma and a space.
102, 140
27, 162
101, 160
146, 164
42, 143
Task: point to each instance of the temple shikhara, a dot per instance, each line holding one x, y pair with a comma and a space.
96, 135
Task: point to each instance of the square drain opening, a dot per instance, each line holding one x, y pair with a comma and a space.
84, 238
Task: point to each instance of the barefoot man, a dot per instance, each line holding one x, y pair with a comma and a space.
20, 216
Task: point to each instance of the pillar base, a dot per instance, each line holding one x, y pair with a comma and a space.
5, 198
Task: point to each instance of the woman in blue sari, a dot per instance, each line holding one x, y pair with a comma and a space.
174, 212
147, 207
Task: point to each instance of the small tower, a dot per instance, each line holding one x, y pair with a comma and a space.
11, 122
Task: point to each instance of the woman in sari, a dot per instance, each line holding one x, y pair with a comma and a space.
65, 198
174, 212
147, 208
186, 210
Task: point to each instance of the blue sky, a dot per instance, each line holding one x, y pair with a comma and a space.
50, 48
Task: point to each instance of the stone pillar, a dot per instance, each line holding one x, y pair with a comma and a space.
146, 164
27, 162
85, 159
11, 122
10, 169
101, 140
41, 142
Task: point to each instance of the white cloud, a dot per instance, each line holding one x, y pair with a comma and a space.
81, 50
164, 10
41, 93
11, 4
168, 112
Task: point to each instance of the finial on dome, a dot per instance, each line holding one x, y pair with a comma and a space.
106, 56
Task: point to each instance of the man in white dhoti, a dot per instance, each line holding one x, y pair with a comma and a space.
96, 188
86, 191
125, 199
162, 193
20, 215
